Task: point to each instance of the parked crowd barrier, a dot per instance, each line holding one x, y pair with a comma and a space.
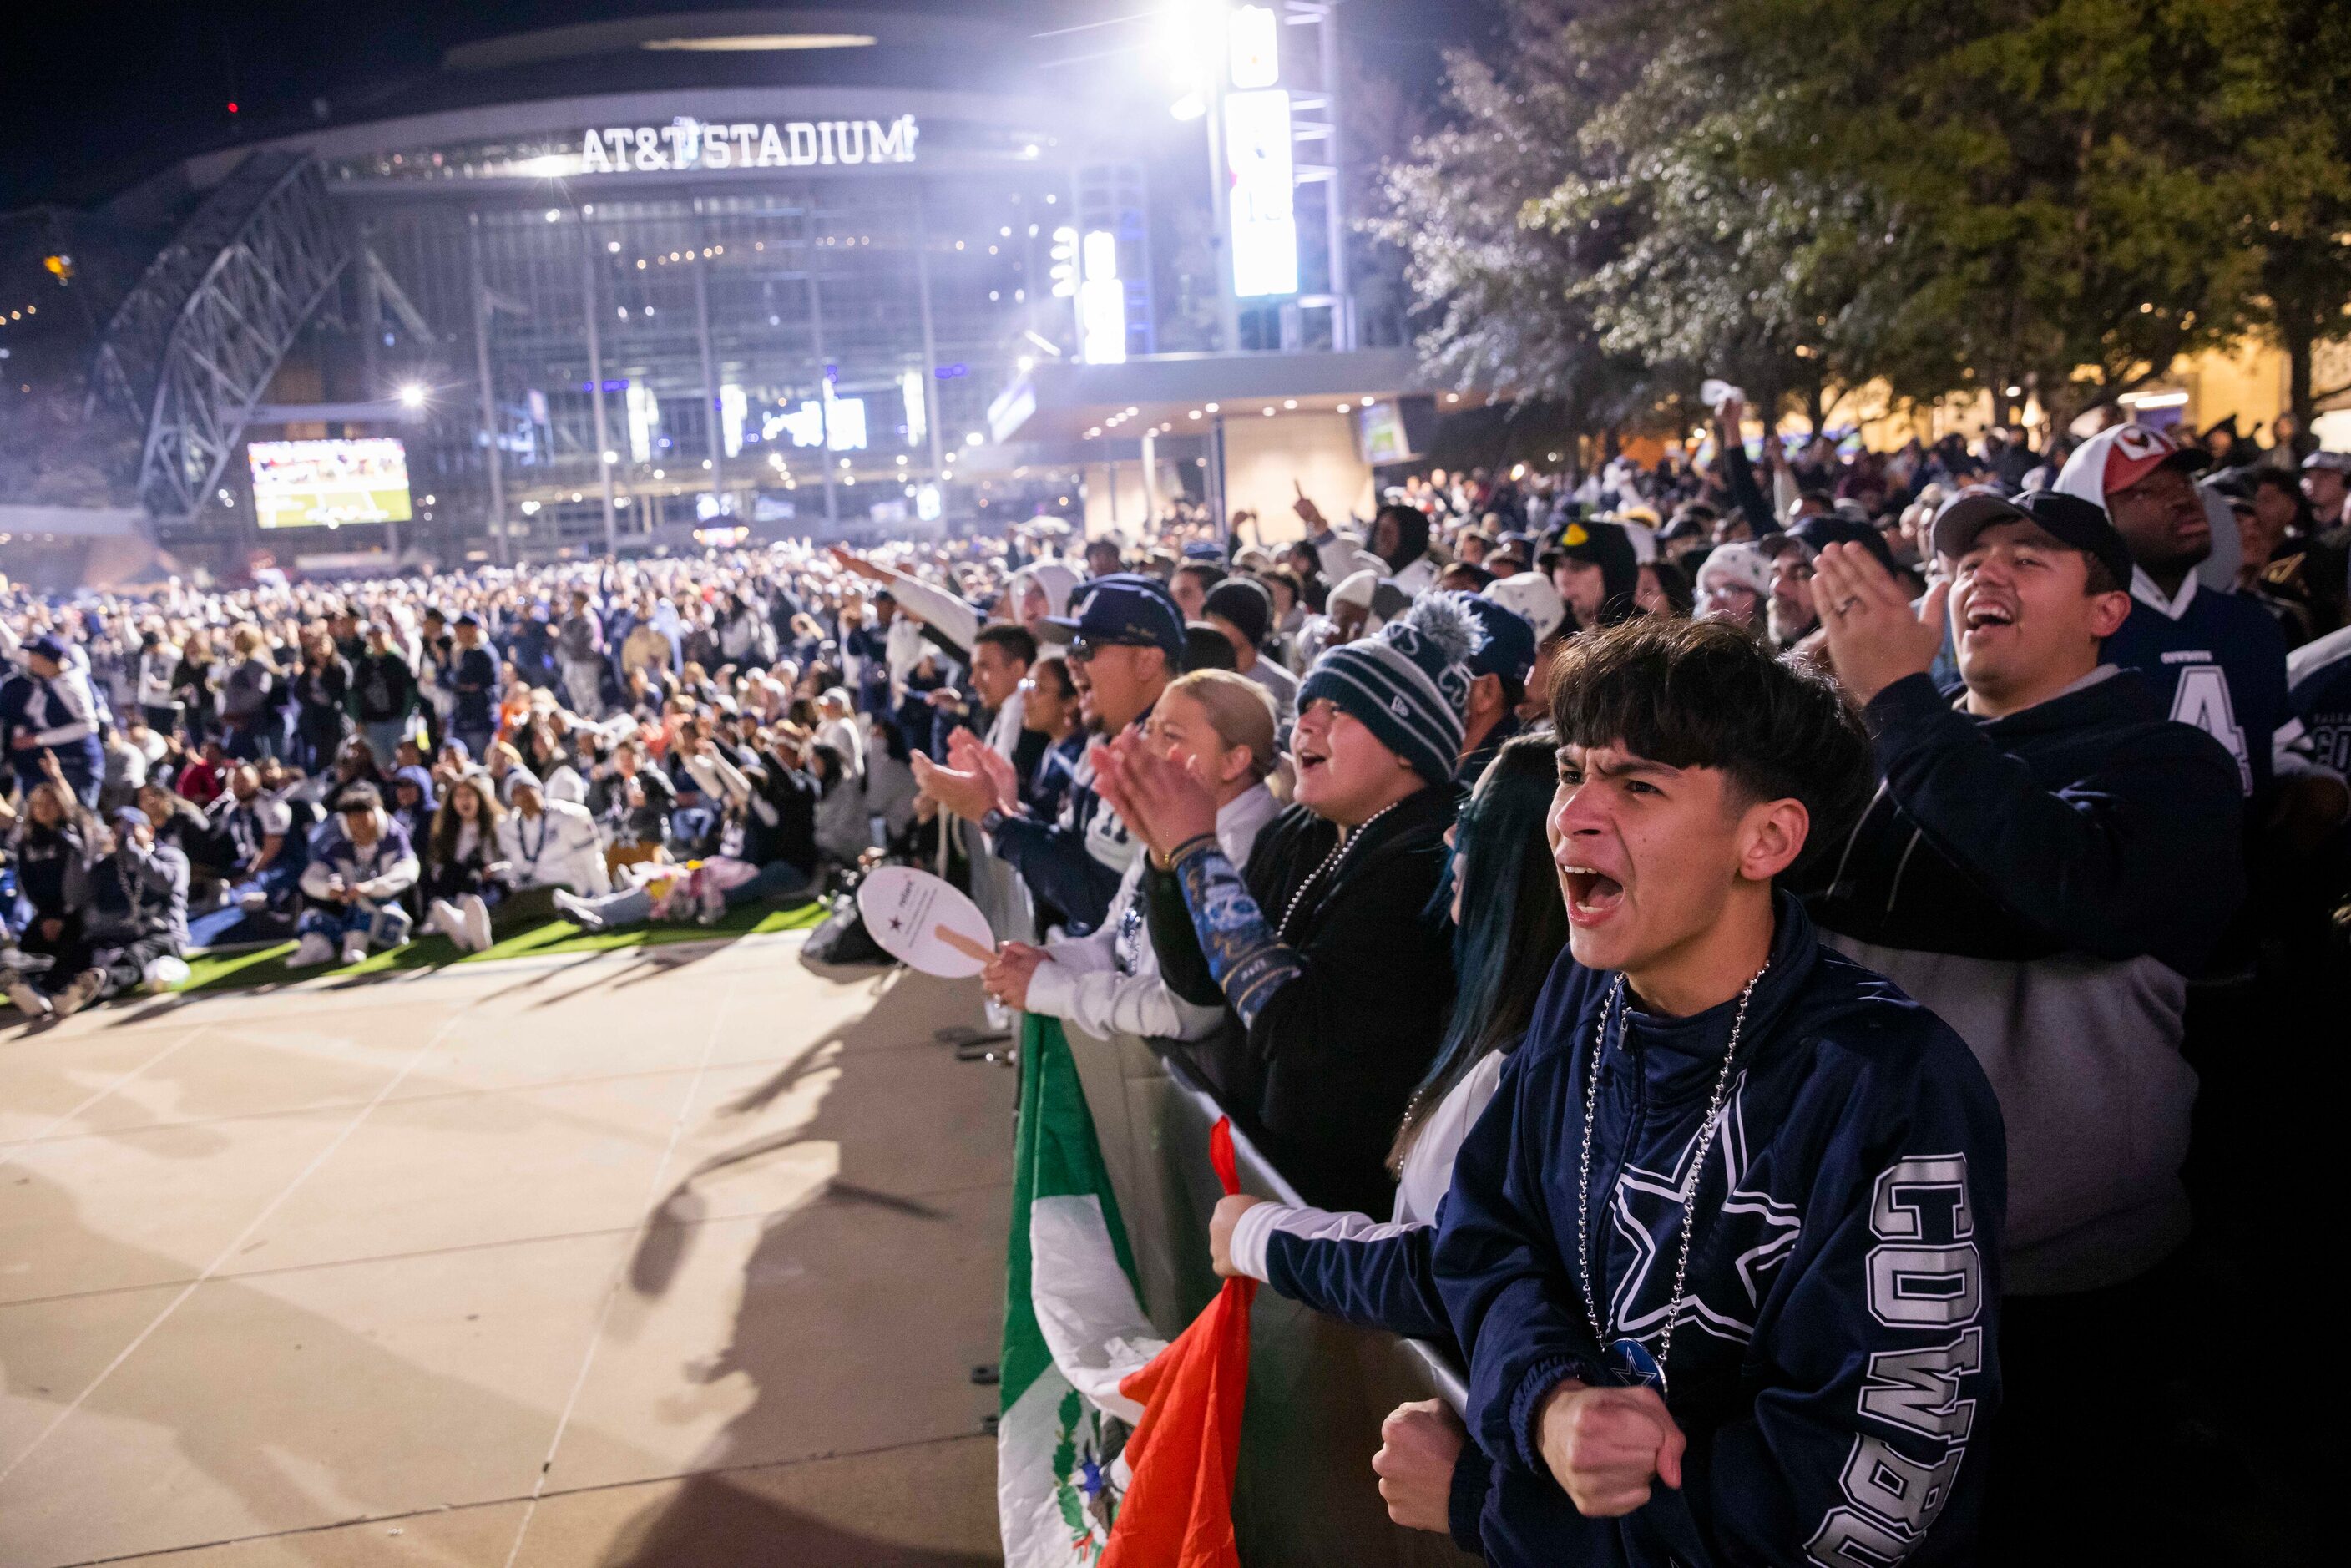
1318, 1388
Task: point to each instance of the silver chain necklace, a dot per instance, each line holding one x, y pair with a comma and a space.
1626, 1354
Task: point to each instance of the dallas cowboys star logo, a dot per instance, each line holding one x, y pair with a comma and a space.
1647, 1212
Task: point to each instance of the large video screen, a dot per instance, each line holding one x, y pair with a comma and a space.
327, 484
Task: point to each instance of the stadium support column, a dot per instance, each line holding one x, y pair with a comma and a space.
1221, 204
932, 402
1217, 510
1342, 297
823, 372
497, 519
717, 460
589, 307
1150, 474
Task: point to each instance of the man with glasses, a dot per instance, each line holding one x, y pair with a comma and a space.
1125, 639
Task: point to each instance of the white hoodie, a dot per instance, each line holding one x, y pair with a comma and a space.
557, 848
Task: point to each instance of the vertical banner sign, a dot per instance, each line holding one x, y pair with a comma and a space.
1264, 213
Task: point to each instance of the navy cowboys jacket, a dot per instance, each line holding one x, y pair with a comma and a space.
1836, 1358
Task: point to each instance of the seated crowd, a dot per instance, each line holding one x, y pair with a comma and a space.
1748, 962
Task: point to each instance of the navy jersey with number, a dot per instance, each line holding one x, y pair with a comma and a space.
2217, 662
2318, 682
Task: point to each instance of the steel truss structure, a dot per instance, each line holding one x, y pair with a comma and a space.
194, 348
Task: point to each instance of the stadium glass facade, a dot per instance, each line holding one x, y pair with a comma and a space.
774, 345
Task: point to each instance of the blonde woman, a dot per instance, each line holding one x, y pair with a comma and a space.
1220, 727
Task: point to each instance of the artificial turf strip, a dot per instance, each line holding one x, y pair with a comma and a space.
268, 966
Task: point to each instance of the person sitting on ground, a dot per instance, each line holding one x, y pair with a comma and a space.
413, 802
360, 864
1732, 1184
632, 804
1324, 951
52, 844
463, 869
545, 846
261, 857
1508, 927
1219, 726
137, 928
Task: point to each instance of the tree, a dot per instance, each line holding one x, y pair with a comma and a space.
1497, 287
2303, 154
2071, 186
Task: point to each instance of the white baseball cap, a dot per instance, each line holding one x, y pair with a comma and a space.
2117, 458
1534, 596
1737, 566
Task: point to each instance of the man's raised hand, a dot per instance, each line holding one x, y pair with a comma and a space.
1875, 639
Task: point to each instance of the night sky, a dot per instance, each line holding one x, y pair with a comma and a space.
100, 92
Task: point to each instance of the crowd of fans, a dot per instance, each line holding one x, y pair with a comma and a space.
1538, 846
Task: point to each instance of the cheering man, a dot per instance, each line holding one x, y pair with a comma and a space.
1723, 1249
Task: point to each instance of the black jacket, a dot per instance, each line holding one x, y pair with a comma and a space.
2088, 823
1330, 1026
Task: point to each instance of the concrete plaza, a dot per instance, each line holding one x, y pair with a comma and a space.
677, 1256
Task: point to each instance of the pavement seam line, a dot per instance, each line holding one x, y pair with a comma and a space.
455, 1249
621, 1269
12, 1148
228, 1251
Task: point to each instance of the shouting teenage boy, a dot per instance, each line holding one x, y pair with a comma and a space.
1723, 1250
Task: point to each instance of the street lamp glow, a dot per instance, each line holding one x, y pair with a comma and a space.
973, 439
1188, 108
411, 394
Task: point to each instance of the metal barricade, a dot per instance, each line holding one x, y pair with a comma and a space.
1318, 1388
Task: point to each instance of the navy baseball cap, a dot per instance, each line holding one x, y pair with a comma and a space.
49, 646
1818, 532
1508, 649
2072, 521
1123, 608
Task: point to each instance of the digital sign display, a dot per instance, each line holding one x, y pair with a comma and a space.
327, 484
1264, 214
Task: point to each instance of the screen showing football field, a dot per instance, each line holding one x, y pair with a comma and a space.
311, 483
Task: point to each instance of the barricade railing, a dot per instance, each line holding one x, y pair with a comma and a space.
1318, 1388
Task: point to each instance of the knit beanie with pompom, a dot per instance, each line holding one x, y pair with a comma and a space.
1410, 684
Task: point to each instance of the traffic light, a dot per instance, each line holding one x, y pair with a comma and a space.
1065, 264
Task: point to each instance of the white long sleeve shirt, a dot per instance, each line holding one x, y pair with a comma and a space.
1108, 983
1420, 1186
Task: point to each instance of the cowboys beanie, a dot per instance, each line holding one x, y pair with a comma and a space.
1409, 685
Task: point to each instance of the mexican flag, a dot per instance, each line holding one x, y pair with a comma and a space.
1073, 1328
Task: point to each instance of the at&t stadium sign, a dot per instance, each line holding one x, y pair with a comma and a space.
686, 144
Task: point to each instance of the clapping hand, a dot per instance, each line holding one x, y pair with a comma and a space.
1162, 803
965, 792
1875, 639
969, 753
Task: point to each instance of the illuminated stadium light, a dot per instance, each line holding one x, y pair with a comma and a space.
760, 43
